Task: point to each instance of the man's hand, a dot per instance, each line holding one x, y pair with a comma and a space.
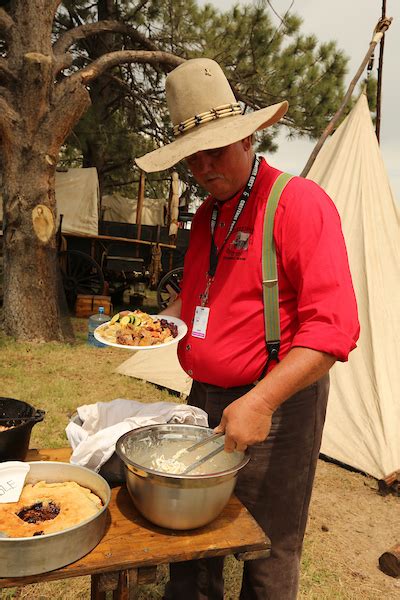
245, 422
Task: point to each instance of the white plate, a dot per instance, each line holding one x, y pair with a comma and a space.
182, 331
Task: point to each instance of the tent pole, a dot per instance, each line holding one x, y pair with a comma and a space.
140, 202
380, 29
139, 208
379, 88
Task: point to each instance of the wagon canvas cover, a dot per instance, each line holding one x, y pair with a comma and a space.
77, 197
119, 208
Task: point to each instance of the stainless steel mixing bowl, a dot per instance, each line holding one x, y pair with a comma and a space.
169, 500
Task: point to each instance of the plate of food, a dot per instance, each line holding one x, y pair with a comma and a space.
137, 330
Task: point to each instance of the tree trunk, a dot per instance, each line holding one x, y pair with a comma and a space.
39, 116
31, 278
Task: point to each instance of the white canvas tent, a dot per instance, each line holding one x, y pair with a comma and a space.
363, 421
77, 197
123, 210
160, 366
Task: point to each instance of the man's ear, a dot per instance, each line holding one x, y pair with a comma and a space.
247, 142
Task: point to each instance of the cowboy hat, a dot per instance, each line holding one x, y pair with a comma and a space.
205, 114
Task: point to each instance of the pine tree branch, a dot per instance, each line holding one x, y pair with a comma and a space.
6, 22
116, 166
5, 73
70, 101
64, 61
66, 40
112, 59
139, 7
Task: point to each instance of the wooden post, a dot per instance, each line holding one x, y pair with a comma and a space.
380, 29
389, 561
139, 207
170, 195
140, 202
379, 88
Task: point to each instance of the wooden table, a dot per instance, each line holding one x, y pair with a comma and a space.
132, 547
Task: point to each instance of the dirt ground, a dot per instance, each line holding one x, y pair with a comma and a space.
350, 526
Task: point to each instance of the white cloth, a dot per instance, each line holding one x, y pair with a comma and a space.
93, 441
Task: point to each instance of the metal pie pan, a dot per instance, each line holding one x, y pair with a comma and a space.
20, 557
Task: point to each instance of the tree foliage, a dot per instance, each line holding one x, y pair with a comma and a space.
265, 62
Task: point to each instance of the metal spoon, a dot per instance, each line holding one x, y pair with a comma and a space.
197, 445
202, 460
208, 439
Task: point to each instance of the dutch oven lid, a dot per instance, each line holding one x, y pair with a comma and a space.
16, 412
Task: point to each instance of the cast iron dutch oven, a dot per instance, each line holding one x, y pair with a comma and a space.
20, 417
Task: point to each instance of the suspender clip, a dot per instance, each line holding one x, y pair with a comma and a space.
273, 351
270, 282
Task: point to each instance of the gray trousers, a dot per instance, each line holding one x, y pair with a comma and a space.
275, 487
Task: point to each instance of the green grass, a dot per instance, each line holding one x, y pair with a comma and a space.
58, 378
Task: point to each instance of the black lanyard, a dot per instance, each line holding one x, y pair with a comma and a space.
214, 254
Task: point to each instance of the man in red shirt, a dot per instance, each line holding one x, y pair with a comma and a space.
275, 408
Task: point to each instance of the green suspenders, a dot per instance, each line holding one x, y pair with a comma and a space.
270, 271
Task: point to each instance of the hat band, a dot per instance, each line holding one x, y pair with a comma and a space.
225, 110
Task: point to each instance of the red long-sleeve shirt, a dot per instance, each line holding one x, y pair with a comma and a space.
317, 305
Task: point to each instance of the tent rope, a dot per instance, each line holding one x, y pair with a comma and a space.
381, 27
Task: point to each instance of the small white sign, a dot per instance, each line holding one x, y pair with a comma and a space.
201, 315
12, 478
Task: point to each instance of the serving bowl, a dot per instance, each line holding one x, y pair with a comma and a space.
171, 500
40, 554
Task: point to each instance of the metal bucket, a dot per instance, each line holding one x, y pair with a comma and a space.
20, 557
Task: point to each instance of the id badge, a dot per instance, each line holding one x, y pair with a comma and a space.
201, 315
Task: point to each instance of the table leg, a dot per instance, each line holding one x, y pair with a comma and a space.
96, 593
122, 584
122, 591
133, 576
115, 582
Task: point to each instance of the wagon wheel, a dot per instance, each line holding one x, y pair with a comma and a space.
169, 287
1, 278
80, 275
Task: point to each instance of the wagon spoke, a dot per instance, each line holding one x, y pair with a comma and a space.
81, 274
169, 287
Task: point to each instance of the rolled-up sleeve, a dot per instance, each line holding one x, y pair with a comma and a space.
314, 258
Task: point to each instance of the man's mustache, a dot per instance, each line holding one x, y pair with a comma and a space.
212, 176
